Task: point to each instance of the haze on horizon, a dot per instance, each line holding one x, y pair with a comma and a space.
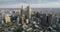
32, 3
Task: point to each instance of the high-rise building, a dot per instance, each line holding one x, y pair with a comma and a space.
13, 17
7, 19
55, 21
22, 15
29, 12
43, 19
49, 19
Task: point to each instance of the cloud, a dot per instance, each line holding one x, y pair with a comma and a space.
47, 5
14, 5
39, 5
8, 2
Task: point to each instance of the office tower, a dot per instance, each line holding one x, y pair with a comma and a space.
22, 15
37, 15
49, 19
43, 19
56, 24
54, 21
18, 19
29, 12
13, 17
7, 19
27, 21
59, 21
1, 18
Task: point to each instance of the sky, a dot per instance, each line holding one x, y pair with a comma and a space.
32, 3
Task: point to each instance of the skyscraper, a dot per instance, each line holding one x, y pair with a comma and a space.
7, 19
22, 15
29, 12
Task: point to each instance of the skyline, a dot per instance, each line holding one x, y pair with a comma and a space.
32, 3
